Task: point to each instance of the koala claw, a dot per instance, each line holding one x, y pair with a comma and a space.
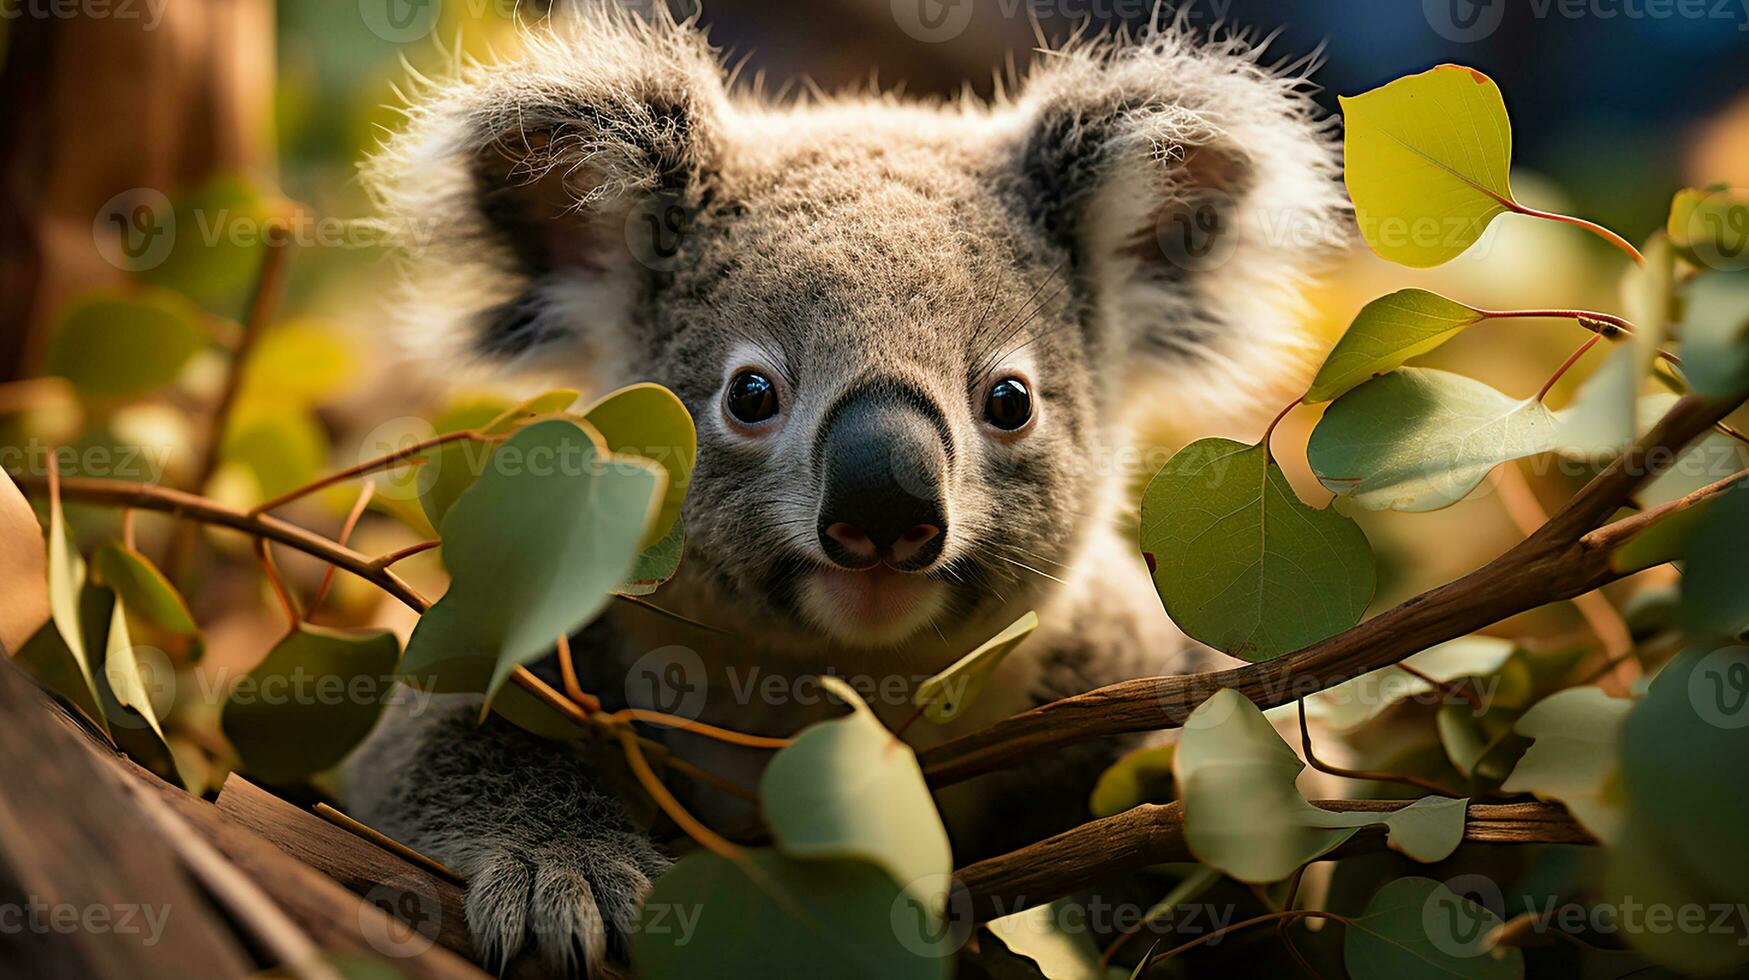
570, 908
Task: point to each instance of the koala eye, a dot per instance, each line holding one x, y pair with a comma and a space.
751, 397
1009, 405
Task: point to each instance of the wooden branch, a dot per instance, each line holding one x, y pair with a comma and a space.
1548, 566
1154, 834
423, 901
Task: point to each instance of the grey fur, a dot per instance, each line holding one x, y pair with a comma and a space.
928, 248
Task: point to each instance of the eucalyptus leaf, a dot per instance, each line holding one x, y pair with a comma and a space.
658, 563
313, 698
112, 345
1139, 776
281, 444
943, 696
1057, 953
648, 420
1387, 333
1244, 816
1715, 582
1418, 439
1577, 735
1715, 335
450, 469
66, 581
1240, 562
847, 788
1417, 927
1355, 702
1426, 162
535, 548
121, 670
142, 587
777, 916
303, 361
1708, 459
1710, 226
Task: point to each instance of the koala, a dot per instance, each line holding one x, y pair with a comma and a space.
914, 337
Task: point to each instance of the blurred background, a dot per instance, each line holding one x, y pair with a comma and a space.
144, 144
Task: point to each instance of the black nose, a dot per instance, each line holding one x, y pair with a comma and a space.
885, 458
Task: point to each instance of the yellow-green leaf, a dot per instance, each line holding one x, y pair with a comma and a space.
66, 581
1427, 162
121, 668
648, 420
948, 693
658, 563
302, 361
1385, 334
1710, 226
142, 587
452, 468
1140, 776
111, 345
1577, 739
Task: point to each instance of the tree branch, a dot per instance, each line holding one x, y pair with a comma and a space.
1549, 565
1154, 834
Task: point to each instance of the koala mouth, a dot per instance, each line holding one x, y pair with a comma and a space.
876, 606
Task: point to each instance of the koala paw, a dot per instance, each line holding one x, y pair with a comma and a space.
569, 906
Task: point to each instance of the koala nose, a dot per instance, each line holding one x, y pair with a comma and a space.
885, 464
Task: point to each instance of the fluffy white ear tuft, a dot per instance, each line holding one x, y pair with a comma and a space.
517, 190
1196, 189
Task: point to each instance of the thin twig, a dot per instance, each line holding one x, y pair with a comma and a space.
568, 673
1369, 774
400, 554
387, 843
1566, 366
346, 529
1247, 923
371, 466
271, 572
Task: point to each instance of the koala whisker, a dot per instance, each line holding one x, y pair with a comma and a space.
1002, 332
988, 364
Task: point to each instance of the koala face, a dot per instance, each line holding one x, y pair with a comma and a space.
905, 332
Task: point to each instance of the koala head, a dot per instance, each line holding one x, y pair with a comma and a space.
905, 330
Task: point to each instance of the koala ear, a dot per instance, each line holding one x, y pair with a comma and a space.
1194, 189
517, 189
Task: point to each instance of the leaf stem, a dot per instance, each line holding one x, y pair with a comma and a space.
1388, 777
699, 728
1267, 433
1567, 365
385, 560
269, 570
1588, 319
706, 837
1591, 226
568, 673
346, 529
369, 466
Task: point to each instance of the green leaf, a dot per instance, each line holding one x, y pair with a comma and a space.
846, 788
110, 345
658, 563
1577, 735
535, 548
215, 244
1388, 332
1353, 703
452, 468
1426, 162
1605, 416
1682, 845
1715, 335
121, 669
144, 589
1417, 927
66, 581
1240, 562
1461, 736
313, 698
1418, 439
1715, 582
784, 917
47, 659
1139, 776
1243, 814
950, 692
1709, 459
648, 420
1710, 226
